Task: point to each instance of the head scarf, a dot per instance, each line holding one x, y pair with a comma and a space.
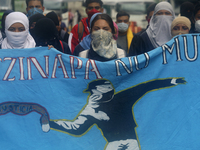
17, 40
182, 20
33, 19
116, 34
93, 16
54, 17
187, 9
46, 33
159, 30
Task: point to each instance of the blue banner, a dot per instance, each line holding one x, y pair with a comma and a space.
50, 100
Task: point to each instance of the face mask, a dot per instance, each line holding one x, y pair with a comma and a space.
91, 13
17, 39
104, 44
174, 33
197, 25
34, 11
122, 27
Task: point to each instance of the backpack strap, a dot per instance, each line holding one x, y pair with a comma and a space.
80, 30
61, 45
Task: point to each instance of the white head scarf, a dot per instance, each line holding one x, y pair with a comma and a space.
17, 40
159, 30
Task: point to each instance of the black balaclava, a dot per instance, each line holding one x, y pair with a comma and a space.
54, 17
33, 19
45, 33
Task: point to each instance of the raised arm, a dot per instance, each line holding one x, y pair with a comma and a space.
134, 93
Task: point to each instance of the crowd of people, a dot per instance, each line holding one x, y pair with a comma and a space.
97, 36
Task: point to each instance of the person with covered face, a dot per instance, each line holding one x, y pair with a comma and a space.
85, 43
46, 34
17, 32
158, 32
125, 35
103, 46
187, 10
63, 35
34, 7
32, 21
82, 29
180, 25
196, 15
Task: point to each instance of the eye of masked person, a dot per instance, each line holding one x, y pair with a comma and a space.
16, 27
163, 12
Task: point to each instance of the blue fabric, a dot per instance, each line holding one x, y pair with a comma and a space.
155, 101
85, 43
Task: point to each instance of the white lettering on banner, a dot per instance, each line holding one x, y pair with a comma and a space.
75, 64
21, 66
192, 46
95, 69
13, 61
129, 71
47, 64
79, 66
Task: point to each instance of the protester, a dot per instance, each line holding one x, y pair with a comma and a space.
187, 9
34, 7
32, 21
197, 18
158, 32
85, 43
125, 34
180, 25
3, 34
82, 29
103, 47
78, 16
62, 24
63, 36
17, 32
46, 34
150, 11
70, 19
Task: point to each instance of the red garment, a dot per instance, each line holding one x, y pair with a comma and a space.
74, 38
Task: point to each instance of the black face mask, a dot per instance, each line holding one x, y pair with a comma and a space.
45, 42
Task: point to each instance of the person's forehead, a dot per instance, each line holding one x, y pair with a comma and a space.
34, 2
180, 24
101, 22
164, 10
17, 24
123, 18
94, 4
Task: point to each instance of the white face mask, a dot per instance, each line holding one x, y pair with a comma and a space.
16, 39
197, 25
104, 44
122, 27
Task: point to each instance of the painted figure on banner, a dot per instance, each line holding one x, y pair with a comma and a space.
112, 112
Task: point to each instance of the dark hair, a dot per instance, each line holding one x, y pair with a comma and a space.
122, 13
27, 1
87, 2
151, 7
105, 17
